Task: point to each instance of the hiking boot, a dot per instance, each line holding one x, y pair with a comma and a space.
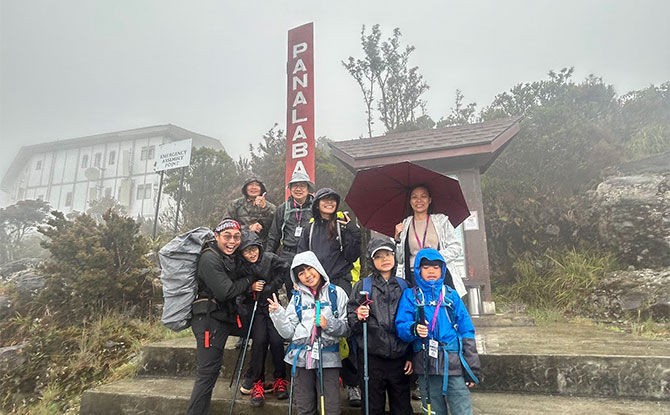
258, 394
279, 388
354, 396
247, 386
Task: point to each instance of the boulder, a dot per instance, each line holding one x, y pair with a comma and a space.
633, 218
5, 307
621, 294
12, 267
27, 282
11, 358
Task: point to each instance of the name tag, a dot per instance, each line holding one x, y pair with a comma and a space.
315, 350
433, 348
298, 231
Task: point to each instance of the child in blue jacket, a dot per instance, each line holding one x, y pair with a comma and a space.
446, 335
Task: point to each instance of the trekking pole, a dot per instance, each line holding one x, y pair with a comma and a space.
318, 334
244, 353
366, 376
422, 320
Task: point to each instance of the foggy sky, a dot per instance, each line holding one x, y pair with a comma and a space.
74, 68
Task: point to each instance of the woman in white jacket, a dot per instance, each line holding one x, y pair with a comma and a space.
424, 229
297, 323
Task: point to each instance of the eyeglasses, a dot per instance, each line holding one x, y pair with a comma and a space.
382, 254
300, 185
228, 238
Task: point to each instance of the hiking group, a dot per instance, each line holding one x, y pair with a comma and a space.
289, 273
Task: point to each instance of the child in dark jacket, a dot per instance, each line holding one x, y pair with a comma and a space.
389, 364
265, 270
446, 335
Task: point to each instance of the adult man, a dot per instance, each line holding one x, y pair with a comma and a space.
290, 220
214, 312
252, 211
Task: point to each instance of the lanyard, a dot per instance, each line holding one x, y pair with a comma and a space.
298, 217
424, 232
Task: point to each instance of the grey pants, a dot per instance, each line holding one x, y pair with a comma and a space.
307, 391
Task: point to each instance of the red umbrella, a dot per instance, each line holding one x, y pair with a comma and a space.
380, 196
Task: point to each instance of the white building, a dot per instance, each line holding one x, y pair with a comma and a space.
70, 173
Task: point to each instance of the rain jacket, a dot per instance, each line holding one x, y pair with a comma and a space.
300, 331
449, 247
268, 267
337, 259
383, 340
443, 330
282, 231
218, 280
244, 211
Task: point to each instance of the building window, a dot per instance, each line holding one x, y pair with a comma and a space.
84, 161
144, 191
108, 192
147, 153
68, 199
97, 159
112, 157
38, 165
92, 193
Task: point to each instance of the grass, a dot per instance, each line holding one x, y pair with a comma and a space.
65, 361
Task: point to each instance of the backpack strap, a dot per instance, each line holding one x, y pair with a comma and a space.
311, 232
297, 303
287, 213
401, 282
332, 296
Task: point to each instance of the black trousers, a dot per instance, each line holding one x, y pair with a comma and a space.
209, 360
349, 371
264, 334
386, 376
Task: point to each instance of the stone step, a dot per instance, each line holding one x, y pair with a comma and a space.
160, 396
566, 359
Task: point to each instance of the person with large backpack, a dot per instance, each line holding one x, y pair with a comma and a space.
214, 313
290, 220
389, 358
336, 241
316, 315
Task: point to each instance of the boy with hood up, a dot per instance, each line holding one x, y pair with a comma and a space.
389, 358
264, 269
298, 323
252, 210
446, 335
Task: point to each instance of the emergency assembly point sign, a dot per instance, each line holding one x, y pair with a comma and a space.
173, 155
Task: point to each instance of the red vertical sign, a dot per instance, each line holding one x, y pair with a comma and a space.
300, 147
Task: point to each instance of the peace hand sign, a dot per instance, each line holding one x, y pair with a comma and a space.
274, 303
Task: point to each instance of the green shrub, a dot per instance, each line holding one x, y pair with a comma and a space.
558, 280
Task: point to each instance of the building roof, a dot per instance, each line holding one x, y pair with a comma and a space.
168, 130
460, 146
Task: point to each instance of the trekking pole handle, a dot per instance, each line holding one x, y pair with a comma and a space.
366, 301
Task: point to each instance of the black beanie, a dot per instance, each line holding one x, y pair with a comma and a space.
431, 262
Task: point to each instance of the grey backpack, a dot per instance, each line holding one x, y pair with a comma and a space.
179, 266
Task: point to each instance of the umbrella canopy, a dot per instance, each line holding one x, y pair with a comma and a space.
380, 196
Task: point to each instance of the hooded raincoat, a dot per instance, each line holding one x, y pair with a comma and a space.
456, 337
301, 331
246, 213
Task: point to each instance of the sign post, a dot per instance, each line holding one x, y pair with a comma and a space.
171, 156
300, 147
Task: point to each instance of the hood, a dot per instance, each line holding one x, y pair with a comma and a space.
376, 243
249, 238
307, 258
253, 179
433, 255
320, 194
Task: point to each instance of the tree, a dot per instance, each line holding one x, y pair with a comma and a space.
209, 181
16, 222
460, 114
95, 267
268, 162
384, 72
97, 208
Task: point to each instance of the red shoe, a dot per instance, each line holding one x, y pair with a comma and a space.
279, 388
258, 394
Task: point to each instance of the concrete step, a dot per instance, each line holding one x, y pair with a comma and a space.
160, 396
567, 359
